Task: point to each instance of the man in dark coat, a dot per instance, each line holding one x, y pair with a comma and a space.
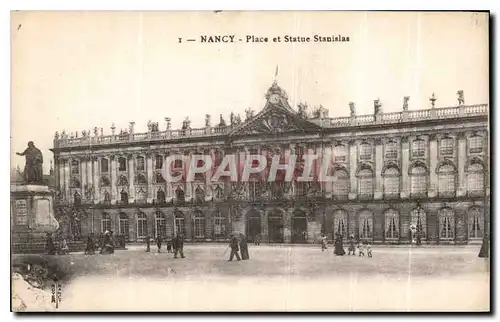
158, 243
90, 249
50, 249
339, 247
148, 244
233, 243
484, 251
244, 247
178, 244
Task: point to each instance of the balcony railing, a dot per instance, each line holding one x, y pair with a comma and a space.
359, 120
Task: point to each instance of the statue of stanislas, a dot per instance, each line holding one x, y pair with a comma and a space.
33, 172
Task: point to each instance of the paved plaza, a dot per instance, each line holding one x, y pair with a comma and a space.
277, 278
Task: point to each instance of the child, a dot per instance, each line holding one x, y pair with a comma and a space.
169, 245
352, 247
369, 249
323, 243
361, 249
158, 243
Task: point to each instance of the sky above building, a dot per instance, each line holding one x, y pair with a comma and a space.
74, 71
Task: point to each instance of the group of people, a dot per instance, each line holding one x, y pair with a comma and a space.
363, 247
50, 247
105, 247
174, 245
237, 246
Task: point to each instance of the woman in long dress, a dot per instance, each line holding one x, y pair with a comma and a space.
244, 247
339, 247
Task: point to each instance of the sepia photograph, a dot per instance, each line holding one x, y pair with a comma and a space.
250, 161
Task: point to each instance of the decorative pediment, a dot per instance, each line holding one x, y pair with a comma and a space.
273, 120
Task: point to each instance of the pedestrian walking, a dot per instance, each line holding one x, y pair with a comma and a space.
339, 247
158, 243
244, 247
233, 243
148, 244
178, 244
324, 242
169, 245
50, 249
352, 246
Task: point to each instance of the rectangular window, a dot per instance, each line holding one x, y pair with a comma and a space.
476, 144
158, 162
365, 152
340, 153
140, 164
366, 187
418, 148
446, 146
75, 167
391, 151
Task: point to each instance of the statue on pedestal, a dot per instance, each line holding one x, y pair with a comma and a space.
33, 172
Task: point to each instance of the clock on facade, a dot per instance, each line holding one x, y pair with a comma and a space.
274, 99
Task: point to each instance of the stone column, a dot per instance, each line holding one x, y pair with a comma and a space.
83, 175
287, 226
67, 179
433, 161
96, 171
90, 180
353, 162
113, 179
462, 158
131, 179
405, 167
264, 225
61, 182
379, 163
149, 173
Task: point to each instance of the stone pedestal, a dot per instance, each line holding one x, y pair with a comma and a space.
32, 215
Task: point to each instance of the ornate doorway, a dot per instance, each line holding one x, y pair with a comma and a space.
299, 227
253, 227
275, 226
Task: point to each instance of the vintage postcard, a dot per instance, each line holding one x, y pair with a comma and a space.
250, 161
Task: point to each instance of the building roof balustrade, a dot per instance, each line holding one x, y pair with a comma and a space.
337, 122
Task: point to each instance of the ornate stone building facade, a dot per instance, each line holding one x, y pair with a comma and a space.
427, 168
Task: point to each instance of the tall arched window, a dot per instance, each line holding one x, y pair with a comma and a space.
391, 224
142, 225
418, 218
123, 228
199, 225
446, 179
340, 223
418, 148
391, 182
446, 223
180, 228
446, 146
476, 222
365, 183
365, 152
160, 225
105, 222
104, 165
219, 226
475, 178
418, 179
365, 224
341, 184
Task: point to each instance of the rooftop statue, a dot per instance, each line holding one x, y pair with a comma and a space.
33, 172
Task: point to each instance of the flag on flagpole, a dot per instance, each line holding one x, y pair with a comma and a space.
276, 73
